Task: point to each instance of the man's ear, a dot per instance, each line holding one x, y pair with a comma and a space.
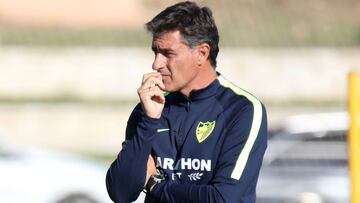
203, 53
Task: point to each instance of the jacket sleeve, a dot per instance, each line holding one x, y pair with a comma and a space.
126, 176
237, 168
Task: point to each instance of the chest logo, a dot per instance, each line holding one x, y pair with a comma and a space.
203, 130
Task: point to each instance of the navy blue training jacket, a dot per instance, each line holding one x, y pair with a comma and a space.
210, 145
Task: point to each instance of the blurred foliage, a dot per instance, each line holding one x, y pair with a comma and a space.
65, 99
57, 36
240, 22
288, 22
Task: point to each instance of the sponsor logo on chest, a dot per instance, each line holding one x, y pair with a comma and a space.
184, 164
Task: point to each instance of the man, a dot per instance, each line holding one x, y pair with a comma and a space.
202, 142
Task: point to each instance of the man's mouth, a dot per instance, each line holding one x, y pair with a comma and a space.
165, 75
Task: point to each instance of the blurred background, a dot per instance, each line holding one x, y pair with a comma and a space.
69, 71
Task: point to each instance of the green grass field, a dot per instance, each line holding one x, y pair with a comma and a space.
289, 23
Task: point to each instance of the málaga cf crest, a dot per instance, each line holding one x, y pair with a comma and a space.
203, 130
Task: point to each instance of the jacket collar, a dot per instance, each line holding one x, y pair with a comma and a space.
203, 93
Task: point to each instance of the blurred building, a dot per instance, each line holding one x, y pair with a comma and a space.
79, 13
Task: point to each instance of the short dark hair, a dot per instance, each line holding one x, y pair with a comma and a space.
196, 25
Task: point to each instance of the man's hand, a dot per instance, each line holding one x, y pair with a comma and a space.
151, 95
151, 168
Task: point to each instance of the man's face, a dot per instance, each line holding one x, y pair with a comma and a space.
175, 61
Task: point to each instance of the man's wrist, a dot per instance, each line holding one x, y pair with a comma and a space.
158, 177
152, 187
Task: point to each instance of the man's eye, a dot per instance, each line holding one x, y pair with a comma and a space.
168, 54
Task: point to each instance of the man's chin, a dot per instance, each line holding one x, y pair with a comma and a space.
169, 89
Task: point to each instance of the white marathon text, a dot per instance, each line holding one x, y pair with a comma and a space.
184, 164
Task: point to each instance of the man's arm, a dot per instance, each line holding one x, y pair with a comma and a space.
129, 173
237, 170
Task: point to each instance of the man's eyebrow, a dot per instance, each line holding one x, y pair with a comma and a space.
158, 49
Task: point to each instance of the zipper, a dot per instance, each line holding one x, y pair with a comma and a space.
188, 106
180, 139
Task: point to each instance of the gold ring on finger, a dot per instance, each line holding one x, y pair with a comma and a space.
152, 85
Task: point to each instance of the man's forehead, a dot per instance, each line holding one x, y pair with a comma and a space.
167, 40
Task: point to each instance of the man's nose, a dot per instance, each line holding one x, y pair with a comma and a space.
159, 62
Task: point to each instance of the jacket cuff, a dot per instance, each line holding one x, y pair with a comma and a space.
150, 124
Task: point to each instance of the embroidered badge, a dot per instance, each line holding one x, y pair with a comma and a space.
203, 130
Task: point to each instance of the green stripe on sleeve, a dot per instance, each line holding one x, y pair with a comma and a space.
254, 131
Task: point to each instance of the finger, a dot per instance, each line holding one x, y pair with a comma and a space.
146, 89
153, 81
158, 97
155, 94
151, 91
148, 75
160, 83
